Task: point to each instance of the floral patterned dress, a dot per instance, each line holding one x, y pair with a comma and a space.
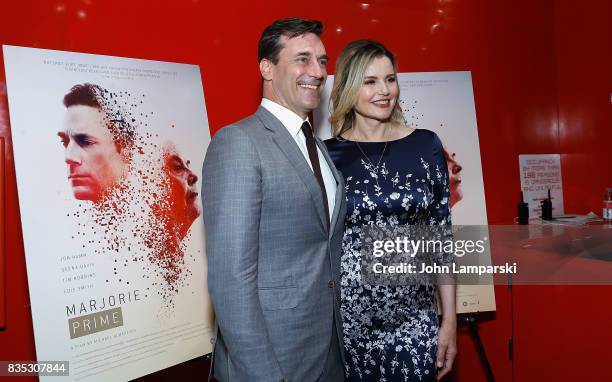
390, 333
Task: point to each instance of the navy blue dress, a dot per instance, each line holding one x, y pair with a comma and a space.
390, 332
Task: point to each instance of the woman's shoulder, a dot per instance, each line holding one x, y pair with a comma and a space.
339, 150
335, 143
331, 141
425, 136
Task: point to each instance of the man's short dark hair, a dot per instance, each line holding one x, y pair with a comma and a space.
269, 43
95, 96
84, 94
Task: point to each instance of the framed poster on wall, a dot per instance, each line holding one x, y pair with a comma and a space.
108, 154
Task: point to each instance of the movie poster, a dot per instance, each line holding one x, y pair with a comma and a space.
443, 102
108, 155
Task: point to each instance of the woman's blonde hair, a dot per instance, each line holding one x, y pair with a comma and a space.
348, 79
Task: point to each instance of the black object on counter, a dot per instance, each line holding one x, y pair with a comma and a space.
523, 211
547, 208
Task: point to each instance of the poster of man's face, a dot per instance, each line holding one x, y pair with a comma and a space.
183, 193
99, 142
106, 151
95, 158
111, 216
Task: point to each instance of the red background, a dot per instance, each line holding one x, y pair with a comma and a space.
542, 84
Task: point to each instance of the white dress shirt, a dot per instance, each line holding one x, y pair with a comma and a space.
293, 124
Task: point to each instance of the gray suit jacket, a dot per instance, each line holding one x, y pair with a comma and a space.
272, 263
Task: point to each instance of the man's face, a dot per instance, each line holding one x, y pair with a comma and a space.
297, 79
183, 191
94, 164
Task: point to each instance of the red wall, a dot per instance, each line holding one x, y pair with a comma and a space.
542, 82
584, 83
564, 333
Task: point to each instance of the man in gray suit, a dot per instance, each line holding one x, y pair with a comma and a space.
274, 209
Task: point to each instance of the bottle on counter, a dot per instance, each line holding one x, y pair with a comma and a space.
523, 211
547, 207
607, 205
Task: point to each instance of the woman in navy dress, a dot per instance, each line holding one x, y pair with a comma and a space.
395, 175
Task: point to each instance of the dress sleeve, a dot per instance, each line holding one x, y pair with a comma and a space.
439, 207
439, 215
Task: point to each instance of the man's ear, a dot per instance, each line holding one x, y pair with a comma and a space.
266, 68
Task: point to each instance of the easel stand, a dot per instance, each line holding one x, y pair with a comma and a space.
469, 319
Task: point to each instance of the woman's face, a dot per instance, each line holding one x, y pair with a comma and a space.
454, 169
379, 91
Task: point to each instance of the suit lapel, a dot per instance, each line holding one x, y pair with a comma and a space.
287, 145
339, 185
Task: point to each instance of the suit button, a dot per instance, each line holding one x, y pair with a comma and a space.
331, 284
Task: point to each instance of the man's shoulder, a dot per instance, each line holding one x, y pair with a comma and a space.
246, 134
245, 127
238, 128
248, 122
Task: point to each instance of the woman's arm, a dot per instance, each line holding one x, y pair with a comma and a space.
439, 215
